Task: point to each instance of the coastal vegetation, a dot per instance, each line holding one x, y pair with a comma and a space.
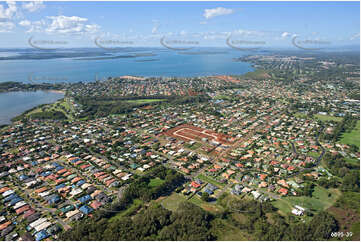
19, 86
152, 221
258, 74
104, 106
60, 110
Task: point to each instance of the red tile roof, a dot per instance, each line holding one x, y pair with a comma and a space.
283, 191
195, 184
22, 209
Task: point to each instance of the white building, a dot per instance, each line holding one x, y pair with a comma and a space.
297, 212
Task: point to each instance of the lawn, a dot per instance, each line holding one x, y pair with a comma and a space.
14, 151
258, 74
223, 97
194, 146
210, 207
135, 206
54, 107
172, 202
300, 115
355, 229
210, 180
196, 200
313, 154
325, 118
155, 182
318, 202
227, 232
352, 137
239, 217
347, 213
141, 101
352, 161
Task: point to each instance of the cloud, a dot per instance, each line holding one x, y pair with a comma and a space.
285, 34
74, 24
215, 35
251, 33
355, 36
214, 12
155, 27
61, 25
6, 27
91, 28
33, 6
9, 12
25, 23
34, 26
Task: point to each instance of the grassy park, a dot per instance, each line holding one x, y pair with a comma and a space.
228, 232
155, 182
313, 154
193, 146
59, 106
352, 137
141, 101
325, 118
132, 209
210, 180
319, 201
172, 202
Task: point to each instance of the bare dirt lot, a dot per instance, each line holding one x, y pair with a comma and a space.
189, 132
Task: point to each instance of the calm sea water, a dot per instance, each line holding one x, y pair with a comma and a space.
13, 104
164, 63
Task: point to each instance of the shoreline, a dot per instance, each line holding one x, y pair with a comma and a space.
22, 114
54, 91
63, 92
34, 90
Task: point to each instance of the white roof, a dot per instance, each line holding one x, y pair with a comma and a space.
117, 171
12, 170
26, 158
19, 205
46, 193
126, 177
37, 222
299, 208
42, 226
28, 184
72, 213
7, 193
255, 194
76, 191
296, 211
85, 185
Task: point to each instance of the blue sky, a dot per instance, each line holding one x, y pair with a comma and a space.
75, 24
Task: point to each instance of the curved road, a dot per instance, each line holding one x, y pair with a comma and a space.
318, 159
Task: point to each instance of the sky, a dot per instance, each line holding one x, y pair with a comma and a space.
175, 24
